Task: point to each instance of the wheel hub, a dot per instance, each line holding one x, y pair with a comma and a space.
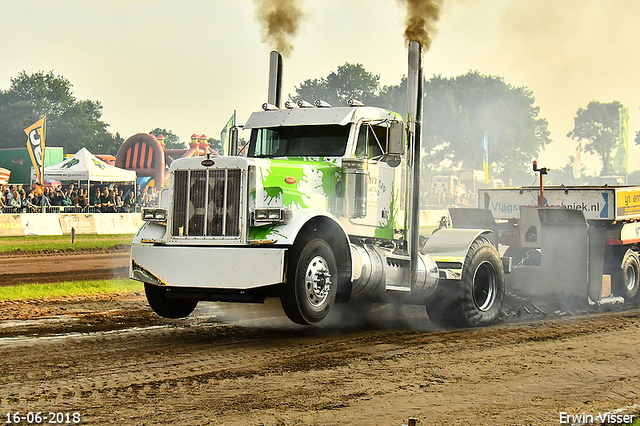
317, 280
485, 287
630, 278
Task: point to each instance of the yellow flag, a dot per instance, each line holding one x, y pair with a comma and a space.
35, 146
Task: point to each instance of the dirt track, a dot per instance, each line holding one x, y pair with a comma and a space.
113, 361
64, 266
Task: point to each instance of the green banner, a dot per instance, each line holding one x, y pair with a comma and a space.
620, 159
225, 135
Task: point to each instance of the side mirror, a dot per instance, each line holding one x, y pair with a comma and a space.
396, 143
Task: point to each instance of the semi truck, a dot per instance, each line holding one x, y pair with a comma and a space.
324, 209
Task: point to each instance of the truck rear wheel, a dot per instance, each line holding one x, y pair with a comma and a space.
476, 300
312, 277
168, 307
626, 280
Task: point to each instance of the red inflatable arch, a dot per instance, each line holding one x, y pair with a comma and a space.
144, 154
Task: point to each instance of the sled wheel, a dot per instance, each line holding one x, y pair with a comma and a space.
312, 276
626, 280
168, 307
476, 300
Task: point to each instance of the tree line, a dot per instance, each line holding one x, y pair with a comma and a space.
458, 111
71, 123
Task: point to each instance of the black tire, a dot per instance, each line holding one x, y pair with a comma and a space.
312, 281
168, 307
476, 300
626, 280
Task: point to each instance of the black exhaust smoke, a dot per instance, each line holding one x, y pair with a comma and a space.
280, 20
422, 16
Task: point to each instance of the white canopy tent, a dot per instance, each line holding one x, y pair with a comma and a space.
86, 166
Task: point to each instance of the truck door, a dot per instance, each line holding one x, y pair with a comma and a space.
371, 145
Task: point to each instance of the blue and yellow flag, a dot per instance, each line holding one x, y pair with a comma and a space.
485, 157
35, 146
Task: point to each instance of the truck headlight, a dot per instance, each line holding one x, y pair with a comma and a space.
154, 215
264, 216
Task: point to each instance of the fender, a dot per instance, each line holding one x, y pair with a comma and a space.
150, 232
311, 221
285, 234
449, 247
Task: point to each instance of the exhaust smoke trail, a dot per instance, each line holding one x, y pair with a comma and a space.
280, 20
420, 21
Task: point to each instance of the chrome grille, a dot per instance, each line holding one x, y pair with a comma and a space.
207, 203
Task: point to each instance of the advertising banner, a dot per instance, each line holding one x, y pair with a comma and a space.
11, 225
117, 223
83, 223
41, 224
595, 203
627, 203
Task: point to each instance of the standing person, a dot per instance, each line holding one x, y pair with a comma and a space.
105, 208
17, 202
65, 201
24, 201
55, 196
130, 205
45, 201
73, 195
9, 196
31, 203
83, 198
109, 205
119, 199
155, 197
95, 202
141, 196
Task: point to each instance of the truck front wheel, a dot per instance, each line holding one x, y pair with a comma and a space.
312, 278
476, 300
168, 307
626, 280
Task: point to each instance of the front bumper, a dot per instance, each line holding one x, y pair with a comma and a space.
207, 267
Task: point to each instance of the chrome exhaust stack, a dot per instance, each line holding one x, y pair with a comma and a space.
414, 135
275, 79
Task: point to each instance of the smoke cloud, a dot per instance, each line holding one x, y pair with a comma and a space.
420, 21
280, 20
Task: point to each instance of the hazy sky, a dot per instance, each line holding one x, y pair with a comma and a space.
185, 66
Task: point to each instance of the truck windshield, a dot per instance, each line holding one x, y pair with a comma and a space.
299, 141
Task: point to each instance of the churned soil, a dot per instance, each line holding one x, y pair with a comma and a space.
50, 266
113, 361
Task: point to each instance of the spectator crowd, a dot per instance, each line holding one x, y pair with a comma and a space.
100, 198
444, 199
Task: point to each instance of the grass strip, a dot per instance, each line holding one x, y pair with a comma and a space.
62, 242
69, 288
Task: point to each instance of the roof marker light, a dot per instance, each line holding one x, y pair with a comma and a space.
304, 104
